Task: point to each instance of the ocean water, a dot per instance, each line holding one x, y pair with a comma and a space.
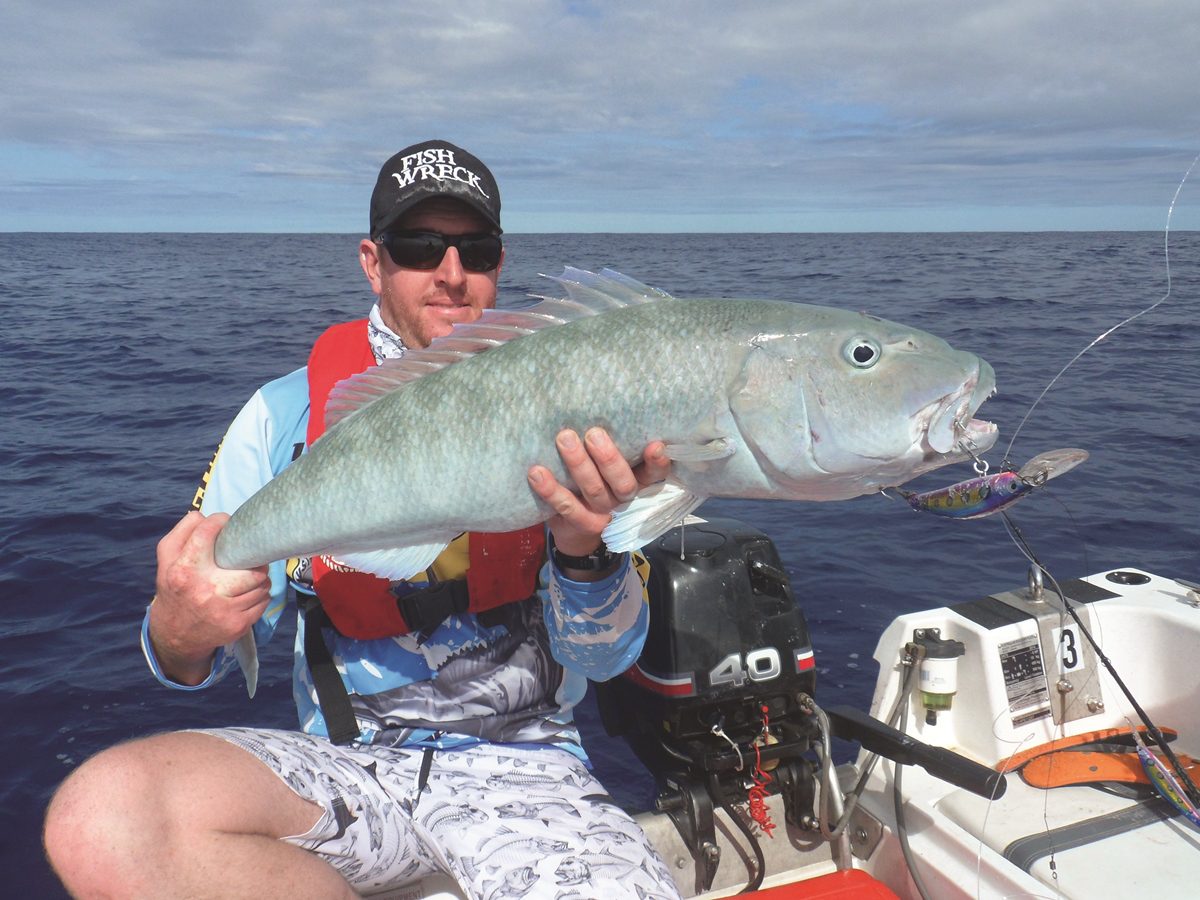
123, 357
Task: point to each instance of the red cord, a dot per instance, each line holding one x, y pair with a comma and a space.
757, 795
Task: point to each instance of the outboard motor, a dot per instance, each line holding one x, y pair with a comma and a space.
722, 682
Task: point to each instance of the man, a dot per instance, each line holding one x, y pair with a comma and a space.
436, 717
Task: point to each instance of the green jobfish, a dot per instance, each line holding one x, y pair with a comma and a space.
753, 398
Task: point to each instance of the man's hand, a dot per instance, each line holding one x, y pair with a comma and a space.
199, 606
605, 481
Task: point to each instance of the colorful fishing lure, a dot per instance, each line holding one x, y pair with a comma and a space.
988, 494
1165, 782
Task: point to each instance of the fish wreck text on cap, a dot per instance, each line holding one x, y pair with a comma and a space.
432, 169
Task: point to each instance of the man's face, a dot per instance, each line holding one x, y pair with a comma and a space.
422, 304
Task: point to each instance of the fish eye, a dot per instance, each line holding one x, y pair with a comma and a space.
862, 353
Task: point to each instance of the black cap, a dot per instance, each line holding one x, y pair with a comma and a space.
432, 169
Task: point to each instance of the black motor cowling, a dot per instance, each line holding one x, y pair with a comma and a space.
727, 649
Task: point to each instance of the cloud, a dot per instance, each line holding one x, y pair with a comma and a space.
698, 107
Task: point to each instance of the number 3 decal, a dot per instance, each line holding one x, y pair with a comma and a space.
1068, 650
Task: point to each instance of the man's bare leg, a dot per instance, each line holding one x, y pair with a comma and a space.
183, 815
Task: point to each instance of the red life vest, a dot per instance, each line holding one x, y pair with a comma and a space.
501, 568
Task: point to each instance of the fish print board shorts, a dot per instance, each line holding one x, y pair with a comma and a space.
502, 821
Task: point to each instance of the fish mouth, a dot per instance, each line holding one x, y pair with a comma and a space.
952, 428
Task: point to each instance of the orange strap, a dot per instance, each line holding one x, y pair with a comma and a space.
1068, 760
1059, 768
1017, 760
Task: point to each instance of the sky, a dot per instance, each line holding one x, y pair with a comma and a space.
643, 116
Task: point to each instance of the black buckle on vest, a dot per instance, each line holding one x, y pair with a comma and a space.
425, 609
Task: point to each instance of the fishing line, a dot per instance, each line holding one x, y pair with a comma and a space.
987, 494
1083, 544
1167, 259
983, 825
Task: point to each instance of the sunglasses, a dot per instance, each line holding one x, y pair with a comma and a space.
425, 249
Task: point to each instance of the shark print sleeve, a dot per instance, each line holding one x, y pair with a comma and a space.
597, 628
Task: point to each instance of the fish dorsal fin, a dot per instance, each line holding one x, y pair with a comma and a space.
354, 393
588, 294
494, 327
598, 293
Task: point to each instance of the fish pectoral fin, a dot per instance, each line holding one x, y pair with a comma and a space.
653, 512
394, 563
717, 448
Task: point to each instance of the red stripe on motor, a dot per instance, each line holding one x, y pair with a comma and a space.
660, 686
